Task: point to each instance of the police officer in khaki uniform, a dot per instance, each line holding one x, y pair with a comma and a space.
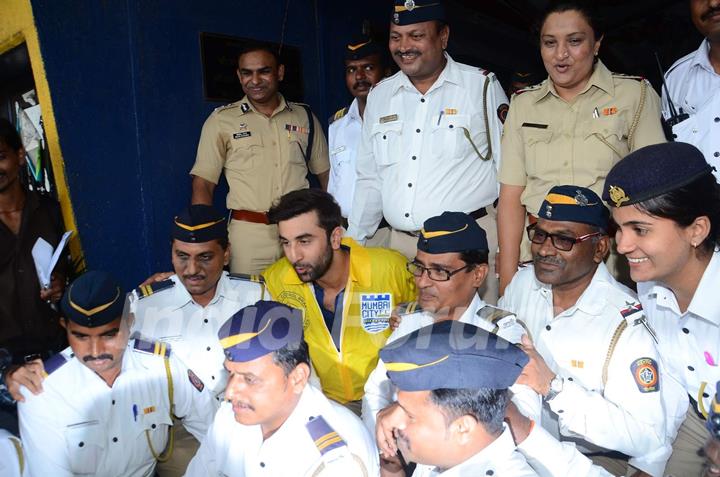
265, 145
570, 129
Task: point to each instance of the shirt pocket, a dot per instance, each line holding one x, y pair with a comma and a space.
606, 140
85, 445
298, 147
537, 150
386, 139
244, 151
449, 136
156, 426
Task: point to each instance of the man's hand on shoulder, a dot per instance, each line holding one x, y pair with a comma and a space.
29, 375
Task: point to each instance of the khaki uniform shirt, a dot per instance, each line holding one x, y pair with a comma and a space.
548, 141
263, 158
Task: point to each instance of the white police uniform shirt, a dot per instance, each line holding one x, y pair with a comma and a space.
170, 315
79, 425
415, 159
635, 412
380, 392
692, 338
343, 140
498, 459
694, 86
12, 457
552, 458
232, 449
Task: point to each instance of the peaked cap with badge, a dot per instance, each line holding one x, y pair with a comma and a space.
652, 171
362, 47
260, 329
569, 203
451, 232
407, 12
452, 355
199, 223
93, 299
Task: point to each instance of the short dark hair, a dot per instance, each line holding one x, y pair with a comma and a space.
253, 46
9, 135
289, 357
683, 205
303, 201
474, 257
487, 406
583, 7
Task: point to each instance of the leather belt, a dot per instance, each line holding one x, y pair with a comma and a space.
250, 216
475, 214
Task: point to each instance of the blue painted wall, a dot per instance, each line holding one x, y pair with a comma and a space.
126, 83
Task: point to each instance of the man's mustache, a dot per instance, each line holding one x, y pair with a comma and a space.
89, 357
549, 260
408, 52
361, 83
709, 13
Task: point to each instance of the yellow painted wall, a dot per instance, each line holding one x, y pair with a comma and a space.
17, 26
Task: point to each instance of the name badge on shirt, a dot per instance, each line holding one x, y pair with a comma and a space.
388, 119
337, 150
375, 310
240, 135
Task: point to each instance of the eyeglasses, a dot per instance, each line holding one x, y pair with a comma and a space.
559, 241
435, 274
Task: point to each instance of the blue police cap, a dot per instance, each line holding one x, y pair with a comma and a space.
362, 47
451, 232
93, 299
452, 355
407, 12
569, 203
199, 223
260, 329
653, 171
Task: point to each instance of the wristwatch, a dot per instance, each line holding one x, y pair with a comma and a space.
556, 387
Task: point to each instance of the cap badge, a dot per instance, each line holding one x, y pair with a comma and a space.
396, 18
581, 200
410, 5
618, 195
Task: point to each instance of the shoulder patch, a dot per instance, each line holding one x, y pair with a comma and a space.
645, 372
408, 308
147, 290
53, 363
502, 112
157, 348
324, 436
247, 277
338, 114
195, 381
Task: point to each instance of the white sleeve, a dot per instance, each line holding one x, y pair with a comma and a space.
203, 463
496, 98
194, 403
43, 438
379, 392
552, 458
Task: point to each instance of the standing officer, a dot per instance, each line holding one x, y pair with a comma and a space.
364, 67
108, 404
453, 381
693, 84
346, 291
274, 422
430, 138
593, 359
265, 145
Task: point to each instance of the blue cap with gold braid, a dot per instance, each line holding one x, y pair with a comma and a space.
199, 223
452, 355
451, 232
407, 12
569, 203
260, 329
93, 299
362, 47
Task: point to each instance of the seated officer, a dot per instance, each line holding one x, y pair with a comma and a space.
107, 403
347, 291
274, 422
450, 266
592, 356
453, 381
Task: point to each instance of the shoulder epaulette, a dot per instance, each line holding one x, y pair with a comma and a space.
526, 89
324, 436
632, 77
493, 314
408, 308
157, 348
53, 363
247, 277
338, 114
145, 291
226, 107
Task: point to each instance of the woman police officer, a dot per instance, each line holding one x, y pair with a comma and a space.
571, 128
